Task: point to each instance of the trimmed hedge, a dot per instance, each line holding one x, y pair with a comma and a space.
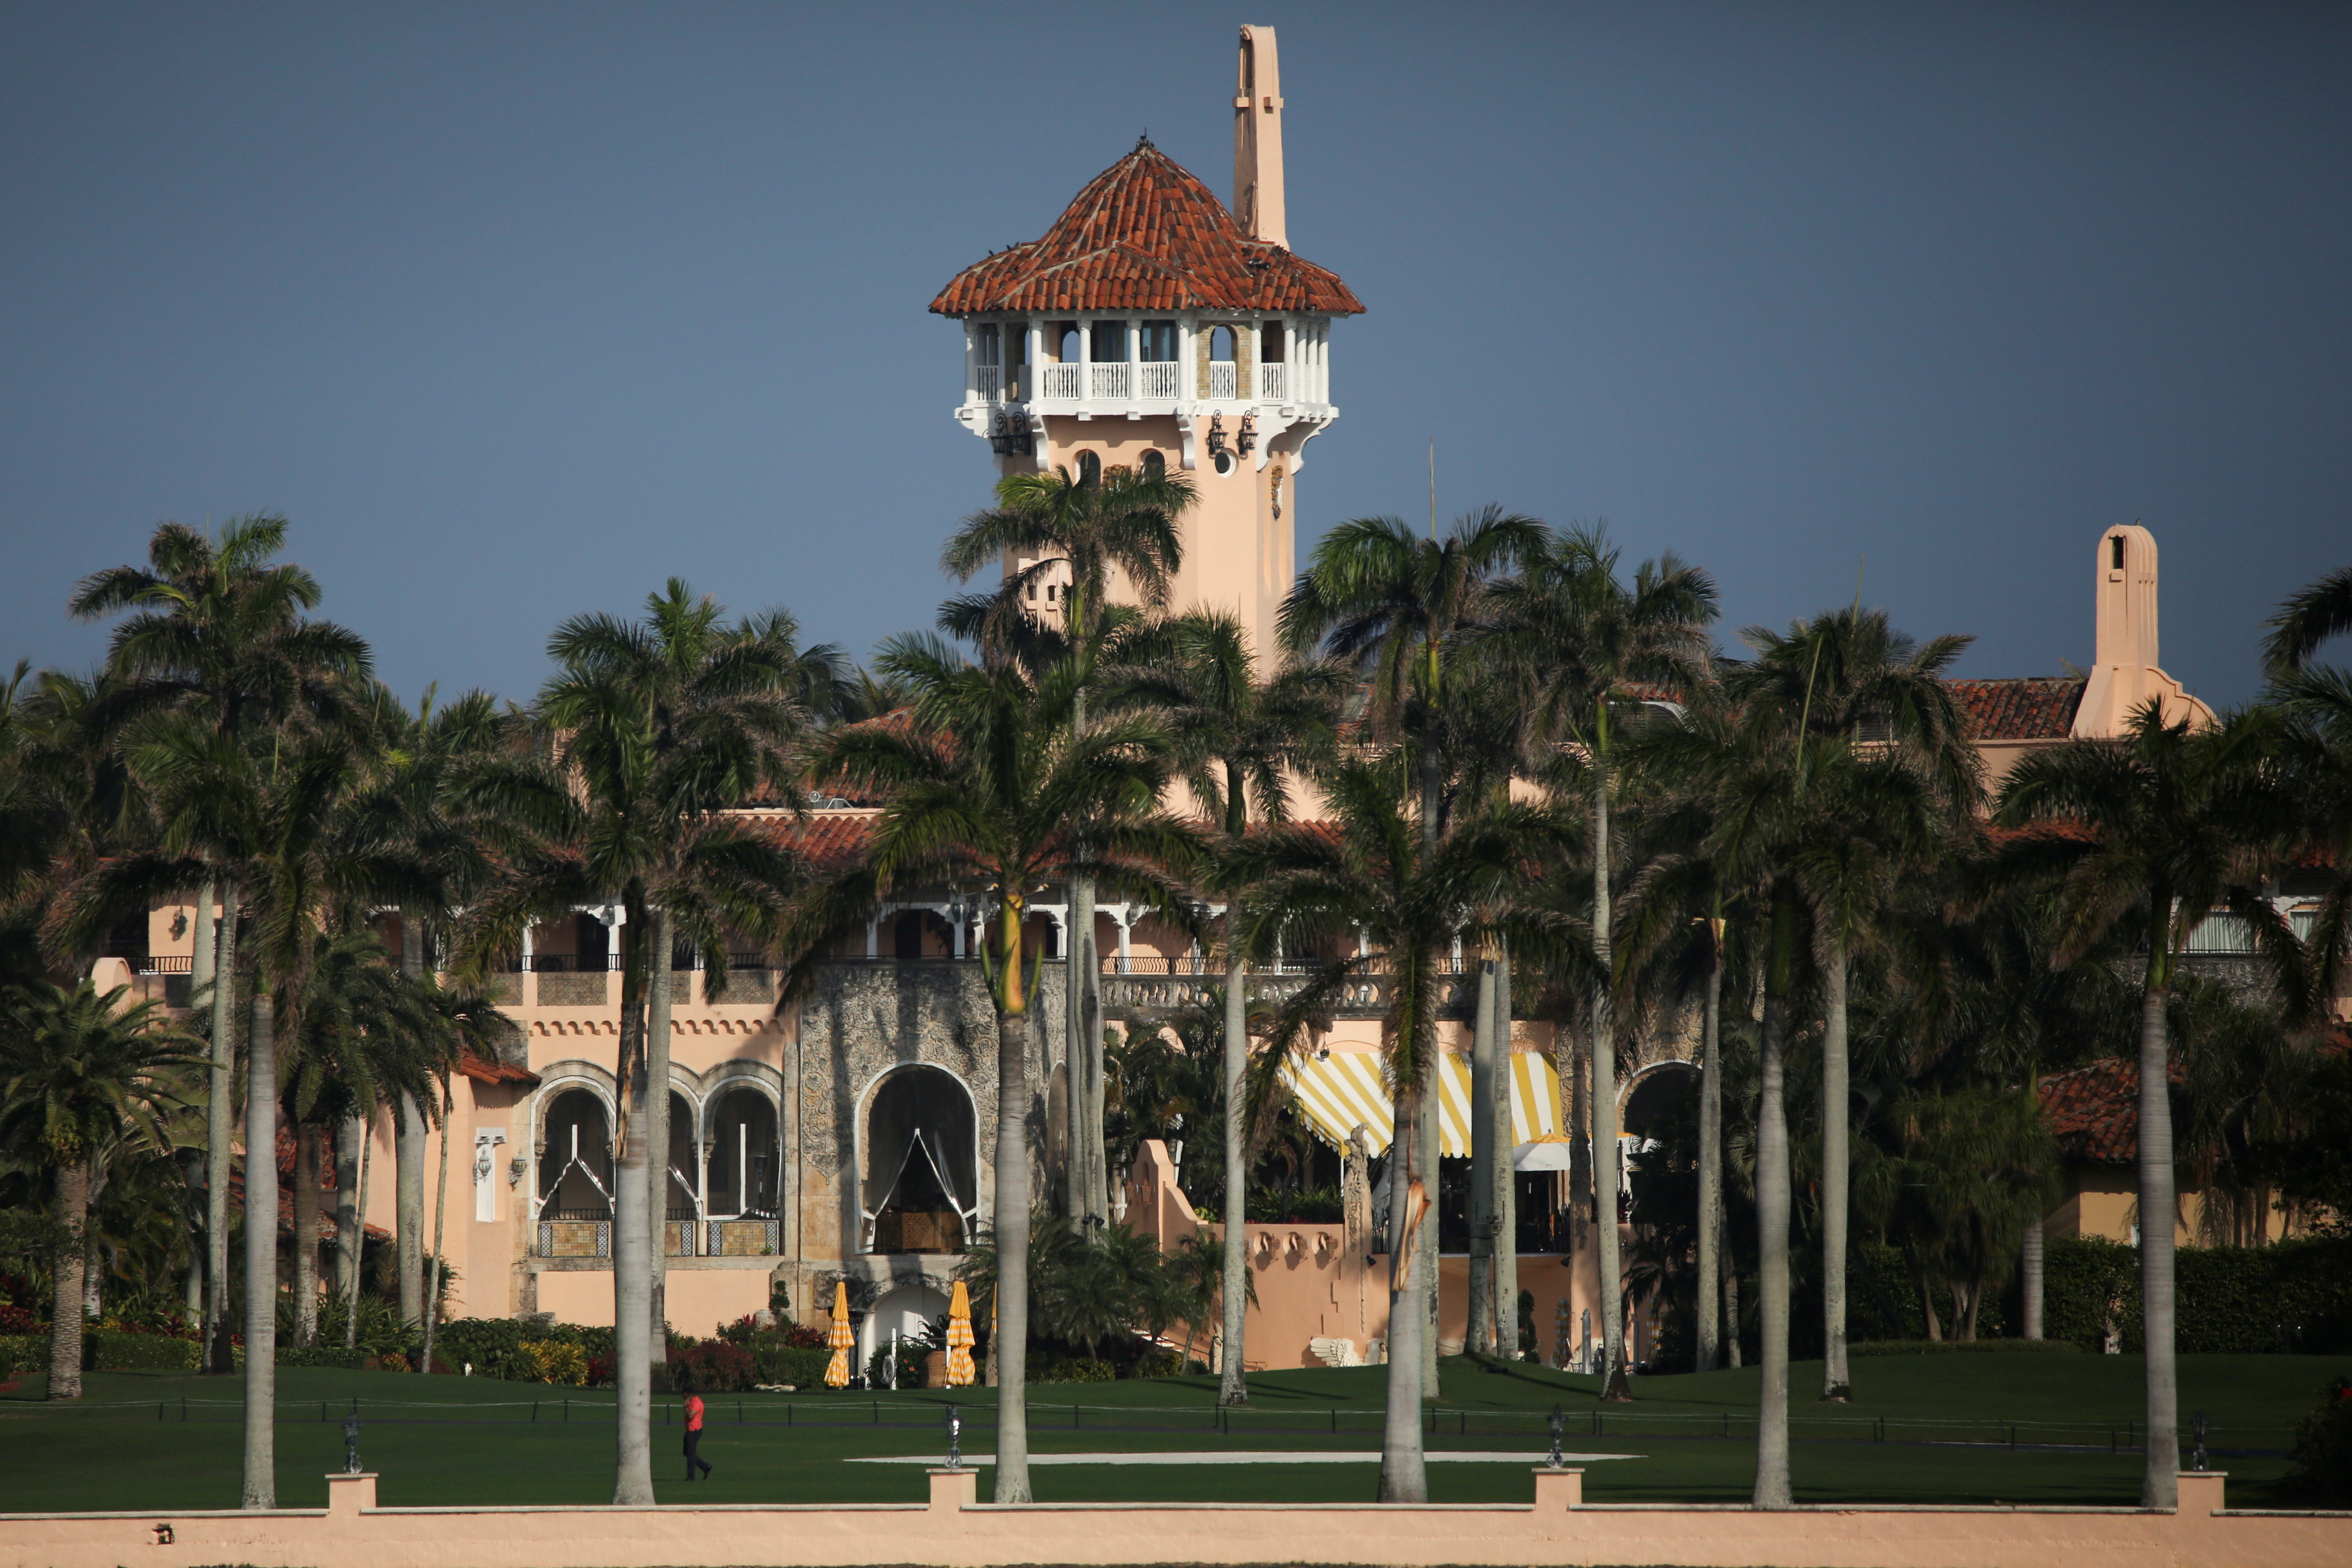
1945, 1347
2290, 1296
24, 1352
324, 1355
799, 1365
109, 1349
1072, 1369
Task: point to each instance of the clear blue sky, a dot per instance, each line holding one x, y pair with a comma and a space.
518, 310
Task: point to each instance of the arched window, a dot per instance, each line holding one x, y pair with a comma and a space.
745, 1157
1064, 336
919, 1180
575, 1177
1270, 344
1221, 344
1089, 468
1155, 465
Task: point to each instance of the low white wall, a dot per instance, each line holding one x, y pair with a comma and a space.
956, 1533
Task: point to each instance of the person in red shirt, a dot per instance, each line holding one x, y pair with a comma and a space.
694, 1436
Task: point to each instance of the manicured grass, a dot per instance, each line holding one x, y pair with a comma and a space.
1921, 1430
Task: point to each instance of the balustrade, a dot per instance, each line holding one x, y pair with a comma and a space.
1271, 380
1224, 381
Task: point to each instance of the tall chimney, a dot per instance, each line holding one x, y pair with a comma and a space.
1258, 139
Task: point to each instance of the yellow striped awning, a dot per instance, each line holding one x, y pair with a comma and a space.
1344, 1090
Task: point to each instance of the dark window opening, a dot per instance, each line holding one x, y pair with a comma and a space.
1154, 464
1089, 468
1270, 344
1158, 340
1221, 344
1064, 336
593, 944
1109, 343
2115, 552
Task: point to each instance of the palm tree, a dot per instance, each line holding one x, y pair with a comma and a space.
1581, 641
370, 1038
82, 1076
1411, 899
982, 789
1088, 525
2156, 828
1239, 737
650, 727
1849, 675
1404, 612
215, 627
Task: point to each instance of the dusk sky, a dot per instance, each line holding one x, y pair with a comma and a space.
516, 310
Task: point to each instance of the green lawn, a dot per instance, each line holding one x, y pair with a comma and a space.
1922, 1430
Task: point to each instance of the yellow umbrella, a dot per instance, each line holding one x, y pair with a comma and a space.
836, 1371
960, 1370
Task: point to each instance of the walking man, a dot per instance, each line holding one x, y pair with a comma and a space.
694, 1460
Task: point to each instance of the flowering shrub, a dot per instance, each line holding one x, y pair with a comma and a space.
712, 1366
556, 1361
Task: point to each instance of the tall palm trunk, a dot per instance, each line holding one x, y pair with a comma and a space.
200, 979
72, 1266
2160, 1480
1233, 1386
408, 1150
1772, 1487
350, 1142
358, 1242
1009, 1343
308, 1137
1089, 1183
1710, 1159
1836, 1383
1506, 1209
1613, 1385
1404, 1471
220, 1134
261, 1253
2029, 1272
633, 1476
657, 1142
1425, 1262
437, 1268
1481, 1336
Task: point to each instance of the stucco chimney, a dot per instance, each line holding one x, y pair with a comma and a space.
1258, 139
2124, 671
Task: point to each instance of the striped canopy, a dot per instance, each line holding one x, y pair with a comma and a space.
1338, 1092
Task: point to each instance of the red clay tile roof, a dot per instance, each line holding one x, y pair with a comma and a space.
1146, 236
2094, 1111
2035, 708
481, 1069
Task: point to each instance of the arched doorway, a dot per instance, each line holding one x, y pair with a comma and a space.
919, 1177
906, 1311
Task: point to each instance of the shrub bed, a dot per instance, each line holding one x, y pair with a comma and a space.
1940, 1347
112, 1349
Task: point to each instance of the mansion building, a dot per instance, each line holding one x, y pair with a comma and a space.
842, 1135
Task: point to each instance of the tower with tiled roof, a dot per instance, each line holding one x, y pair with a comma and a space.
1153, 324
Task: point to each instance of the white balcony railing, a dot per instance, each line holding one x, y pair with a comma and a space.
988, 383
1112, 383
1270, 382
1224, 385
1160, 381
1061, 382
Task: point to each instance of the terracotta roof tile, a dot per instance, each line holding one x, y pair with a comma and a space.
1146, 236
2035, 708
2094, 1111
482, 1069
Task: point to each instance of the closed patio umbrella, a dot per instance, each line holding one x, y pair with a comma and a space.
960, 1339
842, 1339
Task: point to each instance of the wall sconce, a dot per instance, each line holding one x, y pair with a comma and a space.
1217, 435
1246, 442
1009, 437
